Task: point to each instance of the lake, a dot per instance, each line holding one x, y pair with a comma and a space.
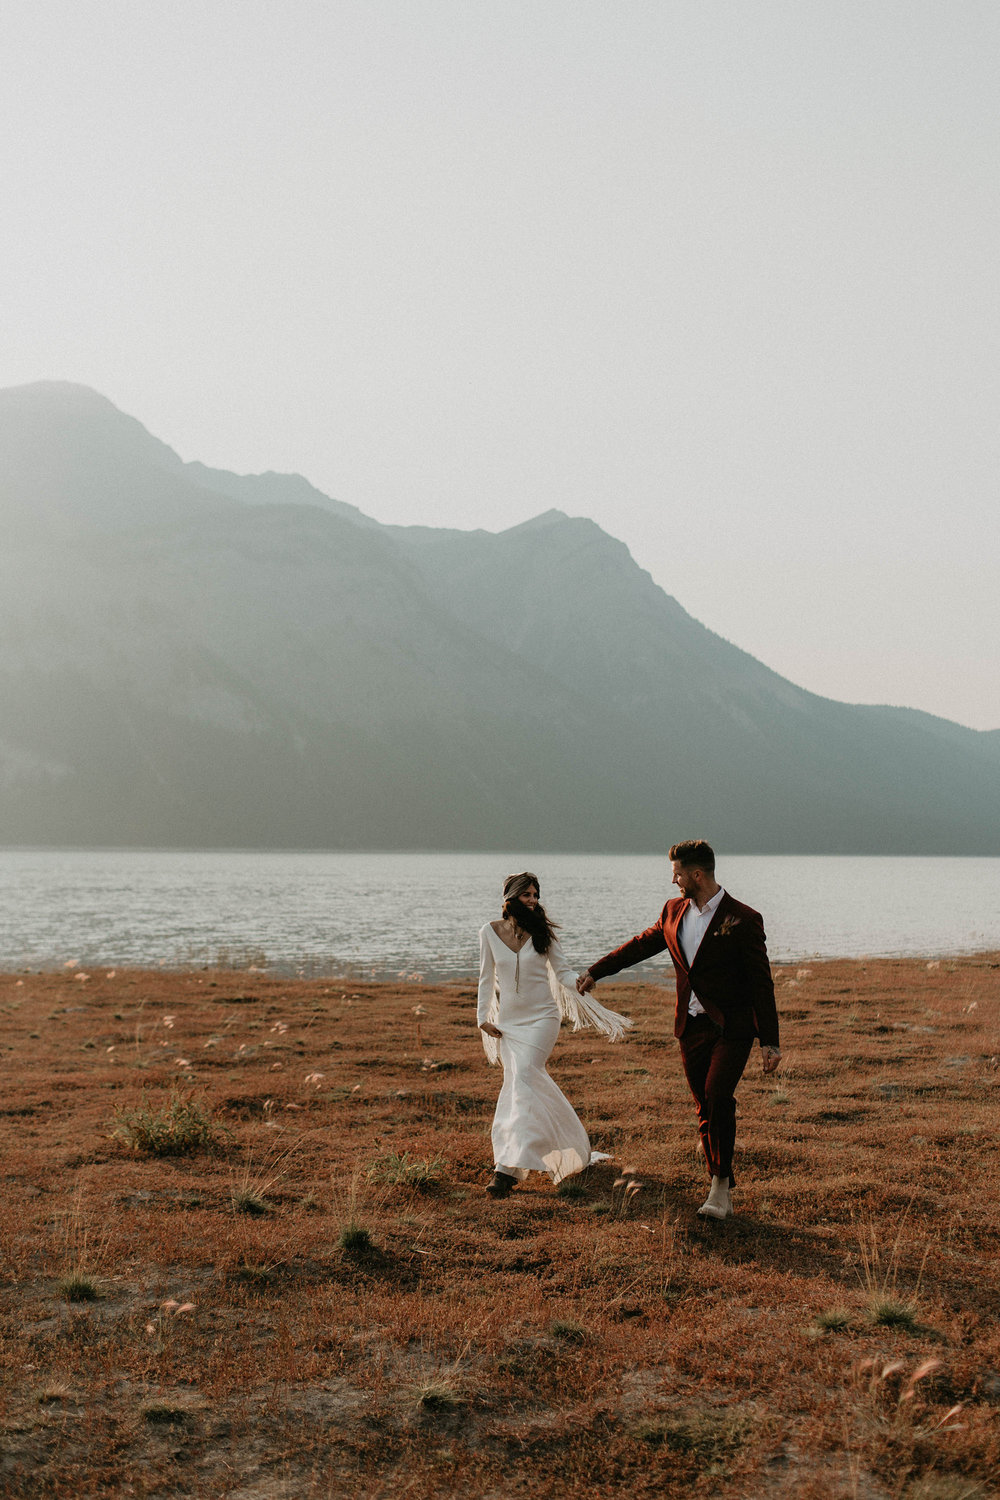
389, 915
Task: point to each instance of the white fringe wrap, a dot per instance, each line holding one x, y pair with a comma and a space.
581, 1010
584, 1010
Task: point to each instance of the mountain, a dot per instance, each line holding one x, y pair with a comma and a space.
192, 657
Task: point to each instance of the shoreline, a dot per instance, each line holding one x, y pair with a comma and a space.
306, 973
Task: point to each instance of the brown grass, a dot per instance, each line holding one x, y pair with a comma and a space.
322, 1301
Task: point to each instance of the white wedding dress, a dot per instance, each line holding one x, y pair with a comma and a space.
535, 1128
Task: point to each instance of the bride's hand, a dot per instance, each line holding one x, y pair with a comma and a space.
491, 1030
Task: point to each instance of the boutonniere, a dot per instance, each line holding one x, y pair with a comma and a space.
726, 926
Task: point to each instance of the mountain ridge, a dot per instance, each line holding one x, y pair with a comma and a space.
188, 655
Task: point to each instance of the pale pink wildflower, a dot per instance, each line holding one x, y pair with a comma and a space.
920, 1373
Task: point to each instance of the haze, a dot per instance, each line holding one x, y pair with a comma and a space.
721, 278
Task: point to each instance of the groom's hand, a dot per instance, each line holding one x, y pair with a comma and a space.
585, 984
770, 1058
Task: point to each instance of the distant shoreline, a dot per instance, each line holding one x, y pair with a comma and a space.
445, 850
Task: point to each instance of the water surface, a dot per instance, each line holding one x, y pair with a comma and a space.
389, 914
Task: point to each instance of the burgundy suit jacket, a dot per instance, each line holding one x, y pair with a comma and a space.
730, 974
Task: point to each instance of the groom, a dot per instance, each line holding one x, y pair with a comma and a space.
725, 997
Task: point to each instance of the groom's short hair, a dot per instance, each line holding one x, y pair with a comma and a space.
694, 854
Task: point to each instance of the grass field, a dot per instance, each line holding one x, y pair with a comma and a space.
246, 1250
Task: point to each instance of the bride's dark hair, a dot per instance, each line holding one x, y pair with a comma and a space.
535, 923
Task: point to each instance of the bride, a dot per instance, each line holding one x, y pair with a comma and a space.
526, 988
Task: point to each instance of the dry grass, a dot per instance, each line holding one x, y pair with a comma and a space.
315, 1298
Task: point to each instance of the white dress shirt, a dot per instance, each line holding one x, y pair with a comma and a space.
694, 925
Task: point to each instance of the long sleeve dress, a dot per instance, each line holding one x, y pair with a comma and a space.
535, 1128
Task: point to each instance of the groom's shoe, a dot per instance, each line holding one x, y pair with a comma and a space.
718, 1204
500, 1184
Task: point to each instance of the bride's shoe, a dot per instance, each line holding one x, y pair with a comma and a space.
718, 1204
500, 1184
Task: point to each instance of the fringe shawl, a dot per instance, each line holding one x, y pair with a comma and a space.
581, 1010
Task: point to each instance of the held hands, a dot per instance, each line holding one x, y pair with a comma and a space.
770, 1058
585, 984
491, 1030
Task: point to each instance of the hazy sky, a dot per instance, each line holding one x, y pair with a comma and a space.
721, 276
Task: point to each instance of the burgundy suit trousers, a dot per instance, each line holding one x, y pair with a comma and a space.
713, 1066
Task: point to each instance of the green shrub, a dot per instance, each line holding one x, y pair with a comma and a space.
251, 1204
177, 1127
570, 1188
396, 1169
78, 1288
355, 1240
893, 1312
832, 1320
